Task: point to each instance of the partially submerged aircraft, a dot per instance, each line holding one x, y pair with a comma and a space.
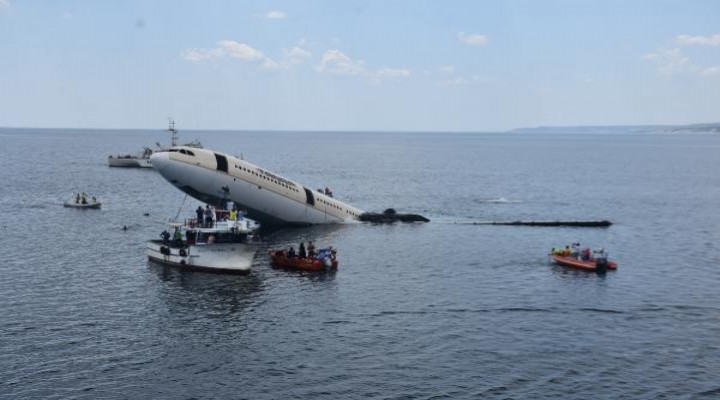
213, 177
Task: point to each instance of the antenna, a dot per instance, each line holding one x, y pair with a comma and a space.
173, 132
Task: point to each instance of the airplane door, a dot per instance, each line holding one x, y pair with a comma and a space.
222, 164
309, 197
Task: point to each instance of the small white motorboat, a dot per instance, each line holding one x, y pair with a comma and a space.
82, 200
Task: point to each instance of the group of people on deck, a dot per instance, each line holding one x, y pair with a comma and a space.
310, 252
575, 251
207, 216
176, 236
326, 192
81, 198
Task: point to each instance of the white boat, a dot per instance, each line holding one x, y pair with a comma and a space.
83, 201
139, 160
228, 246
142, 159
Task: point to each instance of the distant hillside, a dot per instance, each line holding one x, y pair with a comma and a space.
658, 129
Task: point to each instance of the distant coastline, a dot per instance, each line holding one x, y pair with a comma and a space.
620, 129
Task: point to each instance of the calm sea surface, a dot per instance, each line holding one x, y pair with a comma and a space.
439, 310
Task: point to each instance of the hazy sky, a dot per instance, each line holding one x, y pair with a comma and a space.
358, 65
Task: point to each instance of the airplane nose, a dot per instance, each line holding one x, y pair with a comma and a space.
160, 160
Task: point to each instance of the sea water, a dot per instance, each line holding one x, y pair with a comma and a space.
446, 309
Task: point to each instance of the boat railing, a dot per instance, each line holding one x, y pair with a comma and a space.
242, 224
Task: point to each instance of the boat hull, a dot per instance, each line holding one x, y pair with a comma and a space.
303, 264
235, 258
92, 206
572, 262
129, 162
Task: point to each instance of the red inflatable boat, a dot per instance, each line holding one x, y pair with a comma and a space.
589, 265
280, 259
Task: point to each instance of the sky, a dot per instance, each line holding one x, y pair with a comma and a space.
374, 65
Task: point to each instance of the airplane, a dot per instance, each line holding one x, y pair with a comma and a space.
213, 177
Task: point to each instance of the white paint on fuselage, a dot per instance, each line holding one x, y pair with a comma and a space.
268, 197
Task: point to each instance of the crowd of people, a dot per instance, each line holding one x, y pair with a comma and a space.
575, 250
81, 198
206, 217
176, 236
326, 192
310, 252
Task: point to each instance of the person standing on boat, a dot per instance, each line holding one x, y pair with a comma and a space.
586, 254
311, 249
77, 199
165, 235
575, 252
301, 251
208, 216
178, 237
199, 215
291, 252
233, 215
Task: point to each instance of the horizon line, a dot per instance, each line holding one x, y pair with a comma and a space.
374, 131
257, 130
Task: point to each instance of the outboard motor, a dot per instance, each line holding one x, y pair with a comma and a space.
601, 265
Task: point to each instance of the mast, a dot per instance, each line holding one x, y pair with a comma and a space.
173, 132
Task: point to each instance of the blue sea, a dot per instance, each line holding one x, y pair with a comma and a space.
442, 310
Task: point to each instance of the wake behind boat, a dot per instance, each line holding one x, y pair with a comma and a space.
227, 244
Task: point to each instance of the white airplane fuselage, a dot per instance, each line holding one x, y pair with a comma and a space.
268, 198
